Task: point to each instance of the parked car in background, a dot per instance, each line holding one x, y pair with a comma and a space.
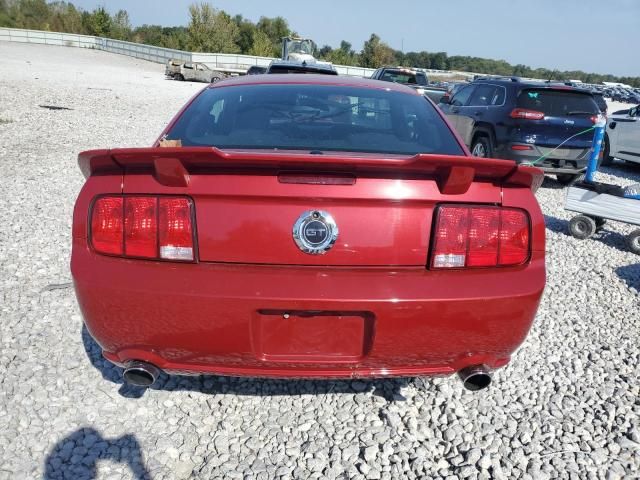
290, 66
173, 69
526, 121
623, 132
411, 77
200, 72
308, 226
451, 91
256, 70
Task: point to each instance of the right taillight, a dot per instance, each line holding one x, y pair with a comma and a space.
143, 227
524, 114
480, 236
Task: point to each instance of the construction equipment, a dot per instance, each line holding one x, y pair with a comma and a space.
298, 49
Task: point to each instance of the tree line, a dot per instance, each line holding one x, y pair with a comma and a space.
213, 30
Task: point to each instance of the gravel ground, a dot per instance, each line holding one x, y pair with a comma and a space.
567, 407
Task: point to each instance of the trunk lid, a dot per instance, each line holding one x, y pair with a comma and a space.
247, 203
567, 114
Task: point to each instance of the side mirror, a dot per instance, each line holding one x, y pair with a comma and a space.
445, 99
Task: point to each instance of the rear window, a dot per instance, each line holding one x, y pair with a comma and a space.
557, 103
402, 76
303, 70
601, 102
314, 117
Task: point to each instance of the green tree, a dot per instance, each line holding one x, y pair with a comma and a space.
212, 30
261, 45
97, 23
121, 26
246, 29
376, 53
344, 55
275, 29
438, 61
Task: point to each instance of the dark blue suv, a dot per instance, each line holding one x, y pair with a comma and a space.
526, 121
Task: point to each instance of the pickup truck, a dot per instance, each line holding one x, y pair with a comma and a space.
411, 77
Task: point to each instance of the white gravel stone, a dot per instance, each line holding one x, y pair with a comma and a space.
566, 407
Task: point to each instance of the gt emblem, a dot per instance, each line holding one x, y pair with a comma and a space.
315, 232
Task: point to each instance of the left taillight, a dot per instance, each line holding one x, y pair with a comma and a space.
480, 236
148, 227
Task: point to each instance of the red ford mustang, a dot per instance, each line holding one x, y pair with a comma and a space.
307, 226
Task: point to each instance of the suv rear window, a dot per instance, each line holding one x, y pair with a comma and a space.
314, 117
601, 102
557, 103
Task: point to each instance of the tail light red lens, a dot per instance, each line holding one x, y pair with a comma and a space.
524, 114
107, 225
471, 237
143, 227
514, 237
176, 235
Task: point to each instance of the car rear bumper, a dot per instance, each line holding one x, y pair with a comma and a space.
564, 160
309, 322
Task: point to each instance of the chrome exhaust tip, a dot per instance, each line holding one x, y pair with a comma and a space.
140, 374
475, 377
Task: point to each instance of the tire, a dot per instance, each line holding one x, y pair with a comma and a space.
481, 147
179, 77
633, 242
606, 159
582, 227
215, 79
566, 178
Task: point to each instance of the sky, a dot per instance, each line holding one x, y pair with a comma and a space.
599, 36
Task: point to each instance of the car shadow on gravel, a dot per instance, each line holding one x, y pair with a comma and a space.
77, 455
610, 238
552, 183
631, 275
389, 389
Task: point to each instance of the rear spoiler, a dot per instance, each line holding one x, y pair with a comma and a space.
172, 165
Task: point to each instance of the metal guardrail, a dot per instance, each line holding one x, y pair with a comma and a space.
145, 52
151, 53
48, 38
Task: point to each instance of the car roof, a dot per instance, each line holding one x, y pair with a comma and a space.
539, 84
314, 79
302, 65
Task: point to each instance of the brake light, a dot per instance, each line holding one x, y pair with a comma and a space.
143, 227
107, 225
471, 237
521, 147
523, 113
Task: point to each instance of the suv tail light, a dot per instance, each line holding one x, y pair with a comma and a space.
480, 236
143, 227
523, 113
